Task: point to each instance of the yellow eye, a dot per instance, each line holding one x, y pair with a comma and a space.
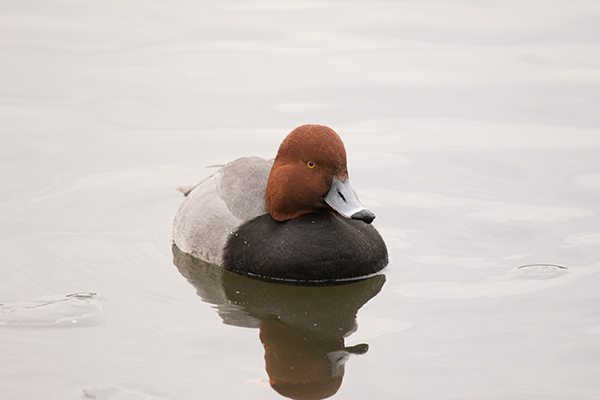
310, 164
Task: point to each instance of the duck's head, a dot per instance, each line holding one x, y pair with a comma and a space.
310, 174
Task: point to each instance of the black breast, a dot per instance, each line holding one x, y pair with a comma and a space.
313, 247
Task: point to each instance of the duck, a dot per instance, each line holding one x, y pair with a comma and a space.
294, 218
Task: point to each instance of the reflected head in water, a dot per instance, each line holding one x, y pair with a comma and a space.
302, 328
303, 365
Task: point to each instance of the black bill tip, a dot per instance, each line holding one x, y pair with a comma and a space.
364, 215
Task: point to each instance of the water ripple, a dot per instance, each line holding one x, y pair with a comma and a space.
539, 277
74, 310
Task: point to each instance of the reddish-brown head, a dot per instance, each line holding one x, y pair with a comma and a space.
307, 160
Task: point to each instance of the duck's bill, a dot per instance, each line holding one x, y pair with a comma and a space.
342, 199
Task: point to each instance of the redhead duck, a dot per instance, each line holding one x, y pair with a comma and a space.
294, 218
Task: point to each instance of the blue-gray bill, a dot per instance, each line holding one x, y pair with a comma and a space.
342, 199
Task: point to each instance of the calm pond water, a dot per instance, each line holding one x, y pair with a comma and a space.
472, 131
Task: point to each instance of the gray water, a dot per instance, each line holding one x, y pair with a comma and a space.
472, 131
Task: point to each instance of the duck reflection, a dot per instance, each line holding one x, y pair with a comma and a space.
302, 328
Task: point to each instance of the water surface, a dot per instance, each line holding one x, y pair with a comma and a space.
472, 132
